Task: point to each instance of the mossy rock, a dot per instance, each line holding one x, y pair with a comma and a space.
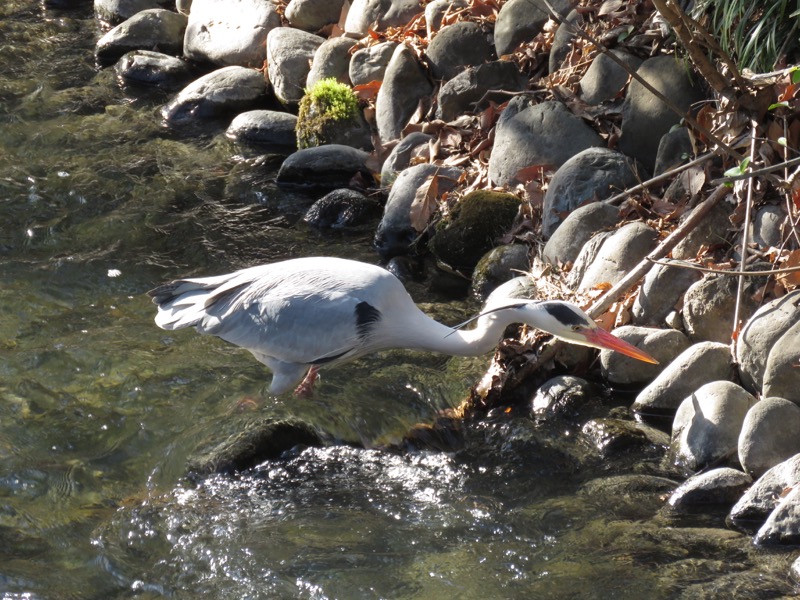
473, 228
329, 114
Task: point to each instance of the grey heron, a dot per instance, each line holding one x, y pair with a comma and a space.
299, 315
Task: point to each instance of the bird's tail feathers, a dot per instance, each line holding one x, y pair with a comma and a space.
184, 303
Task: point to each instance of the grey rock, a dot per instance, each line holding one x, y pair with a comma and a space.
323, 167
783, 524
536, 134
459, 45
637, 496
520, 21
769, 435
611, 436
723, 486
761, 499
663, 344
645, 118
379, 14
341, 208
674, 149
563, 396
313, 15
435, 12
759, 335
183, 6
796, 570
604, 78
116, 11
766, 227
331, 60
369, 64
580, 225
781, 374
497, 266
711, 231
400, 156
144, 67
586, 258
470, 90
229, 32
562, 41
394, 234
289, 55
226, 90
662, 289
709, 306
707, 425
155, 28
694, 367
592, 174
622, 251
404, 86
264, 127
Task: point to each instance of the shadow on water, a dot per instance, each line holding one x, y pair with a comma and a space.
99, 409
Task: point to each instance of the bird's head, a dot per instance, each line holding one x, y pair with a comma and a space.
569, 323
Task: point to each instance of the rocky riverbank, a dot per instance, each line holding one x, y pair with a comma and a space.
501, 141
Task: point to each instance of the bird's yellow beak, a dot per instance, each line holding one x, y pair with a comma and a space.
600, 338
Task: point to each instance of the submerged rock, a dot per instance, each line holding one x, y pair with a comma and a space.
146, 30
563, 397
143, 67
722, 486
324, 167
750, 512
341, 208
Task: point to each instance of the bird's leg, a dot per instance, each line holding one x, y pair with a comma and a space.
307, 385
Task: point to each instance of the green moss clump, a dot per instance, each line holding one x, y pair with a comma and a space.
327, 107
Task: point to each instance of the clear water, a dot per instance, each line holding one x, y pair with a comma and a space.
99, 409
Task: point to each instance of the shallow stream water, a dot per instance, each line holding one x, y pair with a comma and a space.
99, 409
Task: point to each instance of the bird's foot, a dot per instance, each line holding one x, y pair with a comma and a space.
306, 387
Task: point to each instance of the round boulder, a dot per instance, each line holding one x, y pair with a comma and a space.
289, 55
499, 265
404, 86
520, 21
323, 167
663, 344
781, 373
565, 244
264, 127
379, 14
341, 208
662, 289
769, 435
709, 306
457, 46
154, 28
619, 253
604, 78
313, 15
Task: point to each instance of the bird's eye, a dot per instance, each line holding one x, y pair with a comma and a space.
577, 328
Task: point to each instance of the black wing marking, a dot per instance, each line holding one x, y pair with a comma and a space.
367, 316
564, 314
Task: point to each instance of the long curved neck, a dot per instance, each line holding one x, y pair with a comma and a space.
425, 333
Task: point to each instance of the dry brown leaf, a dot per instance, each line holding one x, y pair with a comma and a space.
425, 203
790, 280
367, 91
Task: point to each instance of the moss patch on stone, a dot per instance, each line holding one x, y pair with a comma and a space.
327, 106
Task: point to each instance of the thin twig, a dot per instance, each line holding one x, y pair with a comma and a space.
615, 200
680, 264
745, 233
757, 172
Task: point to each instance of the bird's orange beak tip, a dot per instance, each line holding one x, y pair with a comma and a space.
611, 342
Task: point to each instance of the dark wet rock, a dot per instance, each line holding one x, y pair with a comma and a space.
562, 41
536, 134
400, 156
620, 253
752, 509
766, 229
781, 374
605, 79
154, 29
636, 495
342, 208
663, 344
469, 90
229, 32
592, 174
723, 486
369, 64
770, 435
379, 14
709, 305
264, 127
457, 46
707, 426
661, 292
783, 524
289, 55
472, 228
404, 86
143, 67
499, 265
674, 149
520, 21
313, 15
582, 223
564, 396
324, 167
644, 117
436, 10
712, 230
331, 60
221, 92
395, 234
694, 367
753, 583
260, 441
116, 11
611, 436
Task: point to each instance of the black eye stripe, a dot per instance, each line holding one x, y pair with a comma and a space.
564, 314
